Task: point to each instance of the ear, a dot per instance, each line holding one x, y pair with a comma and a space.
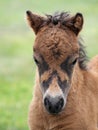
35, 21
76, 23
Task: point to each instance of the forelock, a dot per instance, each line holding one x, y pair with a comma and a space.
57, 17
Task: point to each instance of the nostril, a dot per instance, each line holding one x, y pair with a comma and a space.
61, 102
46, 101
48, 104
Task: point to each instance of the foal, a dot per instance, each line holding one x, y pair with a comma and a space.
66, 91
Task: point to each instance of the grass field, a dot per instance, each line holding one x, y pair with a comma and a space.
17, 70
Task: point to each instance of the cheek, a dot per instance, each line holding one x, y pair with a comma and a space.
45, 81
64, 85
45, 84
65, 93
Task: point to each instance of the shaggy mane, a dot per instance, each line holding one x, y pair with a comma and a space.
83, 58
58, 17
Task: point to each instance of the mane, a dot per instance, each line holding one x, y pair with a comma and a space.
83, 58
62, 18
58, 17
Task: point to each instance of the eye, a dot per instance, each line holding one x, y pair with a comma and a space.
36, 61
74, 62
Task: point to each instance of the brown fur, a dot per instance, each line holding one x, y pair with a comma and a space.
55, 43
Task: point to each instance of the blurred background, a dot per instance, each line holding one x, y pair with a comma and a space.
17, 69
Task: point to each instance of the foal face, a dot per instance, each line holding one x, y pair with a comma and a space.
55, 53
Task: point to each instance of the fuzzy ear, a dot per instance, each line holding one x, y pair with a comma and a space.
35, 21
76, 23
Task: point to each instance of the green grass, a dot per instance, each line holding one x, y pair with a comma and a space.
17, 70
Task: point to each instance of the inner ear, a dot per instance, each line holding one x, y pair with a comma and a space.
35, 21
78, 22
75, 23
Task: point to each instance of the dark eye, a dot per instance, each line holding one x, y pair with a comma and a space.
74, 62
36, 61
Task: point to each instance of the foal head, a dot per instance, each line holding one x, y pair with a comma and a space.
56, 53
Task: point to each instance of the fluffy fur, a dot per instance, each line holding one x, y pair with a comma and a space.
57, 38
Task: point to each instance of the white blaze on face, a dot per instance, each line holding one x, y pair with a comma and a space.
54, 91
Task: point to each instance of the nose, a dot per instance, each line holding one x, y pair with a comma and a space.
54, 104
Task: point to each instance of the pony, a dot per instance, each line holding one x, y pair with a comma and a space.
66, 90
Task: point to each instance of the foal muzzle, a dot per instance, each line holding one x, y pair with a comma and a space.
53, 105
